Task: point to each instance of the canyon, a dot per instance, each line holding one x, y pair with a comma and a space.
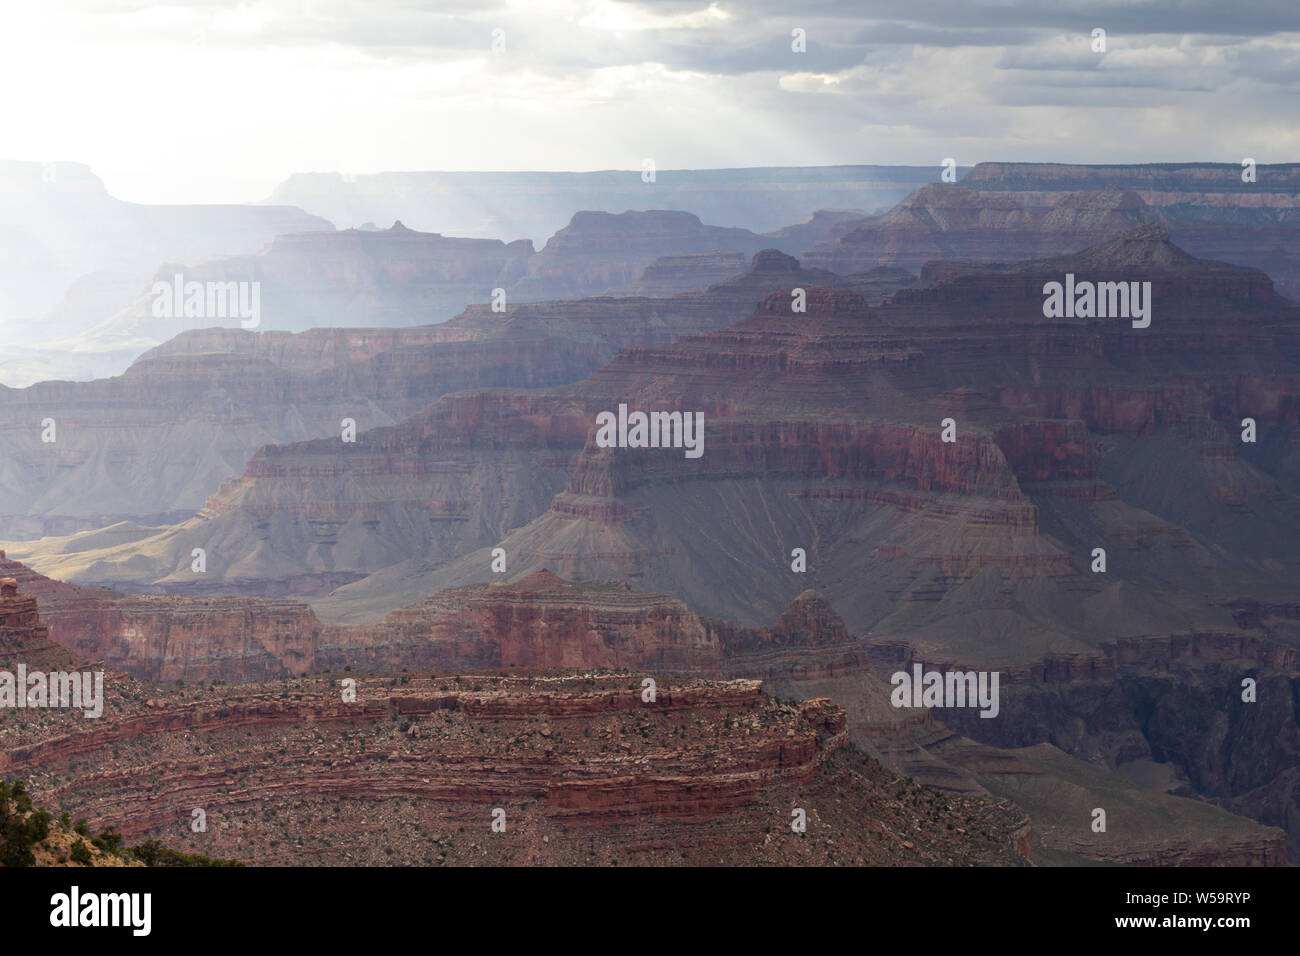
148, 447
828, 423
395, 277
1003, 211
907, 463
537, 204
825, 434
554, 768
548, 718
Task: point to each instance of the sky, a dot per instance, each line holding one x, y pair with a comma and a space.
195, 101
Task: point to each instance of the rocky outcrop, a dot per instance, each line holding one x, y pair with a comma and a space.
1193, 178
169, 638
540, 621
1005, 211
808, 642
61, 225
586, 751
943, 222
212, 397
580, 769
24, 637
598, 251
671, 275
536, 204
354, 277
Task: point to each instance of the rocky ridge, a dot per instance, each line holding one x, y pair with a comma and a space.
689, 773
581, 768
1003, 212
210, 398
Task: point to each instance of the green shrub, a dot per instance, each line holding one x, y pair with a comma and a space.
153, 853
108, 841
80, 853
21, 826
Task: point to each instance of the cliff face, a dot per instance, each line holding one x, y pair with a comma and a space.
400, 277
585, 757
1170, 706
213, 397
536, 204
164, 638
543, 621
824, 466
24, 637
62, 225
598, 251
584, 770
1192, 178
538, 622
1003, 212
673, 274
955, 222
828, 422
390, 277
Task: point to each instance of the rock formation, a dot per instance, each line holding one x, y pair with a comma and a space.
213, 397
691, 770
62, 226
598, 251
697, 772
385, 278
537, 204
968, 481
24, 637
1006, 211
117, 435
582, 771
671, 275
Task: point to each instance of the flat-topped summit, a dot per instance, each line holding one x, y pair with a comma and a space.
773, 260
1191, 177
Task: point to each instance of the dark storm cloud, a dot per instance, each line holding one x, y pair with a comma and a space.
1259, 18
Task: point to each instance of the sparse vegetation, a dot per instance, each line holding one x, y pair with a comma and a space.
80, 853
21, 825
153, 853
23, 828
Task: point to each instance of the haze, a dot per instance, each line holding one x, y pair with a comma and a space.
217, 102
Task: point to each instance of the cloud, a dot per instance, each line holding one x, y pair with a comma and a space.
210, 100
